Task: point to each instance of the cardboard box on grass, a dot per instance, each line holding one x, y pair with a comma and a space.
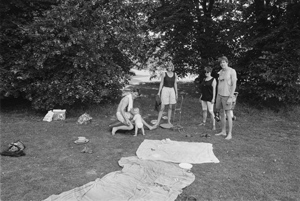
59, 114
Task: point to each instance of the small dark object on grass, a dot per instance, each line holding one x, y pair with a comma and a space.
84, 119
15, 149
86, 150
205, 135
188, 135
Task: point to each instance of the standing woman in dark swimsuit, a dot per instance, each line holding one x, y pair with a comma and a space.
207, 98
168, 92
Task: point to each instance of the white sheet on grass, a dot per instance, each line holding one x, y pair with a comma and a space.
139, 180
177, 152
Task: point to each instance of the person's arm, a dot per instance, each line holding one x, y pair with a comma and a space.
124, 103
233, 78
201, 89
214, 84
161, 83
146, 124
133, 119
175, 86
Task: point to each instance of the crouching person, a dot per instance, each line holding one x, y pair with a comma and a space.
123, 112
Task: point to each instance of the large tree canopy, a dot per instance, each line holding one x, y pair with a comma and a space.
269, 69
13, 14
261, 39
79, 51
61, 52
190, 32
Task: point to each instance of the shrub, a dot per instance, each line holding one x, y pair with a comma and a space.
79, 51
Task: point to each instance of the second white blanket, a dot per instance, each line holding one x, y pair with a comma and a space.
177, 152
139, 180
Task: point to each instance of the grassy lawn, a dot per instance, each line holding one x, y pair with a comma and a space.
261, 162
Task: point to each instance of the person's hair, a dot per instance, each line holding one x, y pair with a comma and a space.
169, 63
223, 58
136, 90
208, 69
136, 109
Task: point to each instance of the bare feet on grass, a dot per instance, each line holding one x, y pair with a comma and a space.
155, 126
222, 133
229, 136
152, 128
113, 131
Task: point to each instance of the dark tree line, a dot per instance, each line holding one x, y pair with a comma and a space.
57, 53
260, 38
270, 69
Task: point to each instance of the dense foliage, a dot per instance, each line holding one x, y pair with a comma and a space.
270, 70
79, 51
260, 38
190, 32
13, 14
57, 53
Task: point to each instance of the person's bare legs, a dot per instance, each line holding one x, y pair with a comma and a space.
170, 113
136, 130
115, 129
204, 117
212, 116
229, 119
204, 112
143, 130
223, 123
231, 112
162, 108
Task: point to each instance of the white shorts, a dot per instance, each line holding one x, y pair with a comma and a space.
206, 105
168, 96
121, 118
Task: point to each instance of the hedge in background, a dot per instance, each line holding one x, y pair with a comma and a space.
79, 51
